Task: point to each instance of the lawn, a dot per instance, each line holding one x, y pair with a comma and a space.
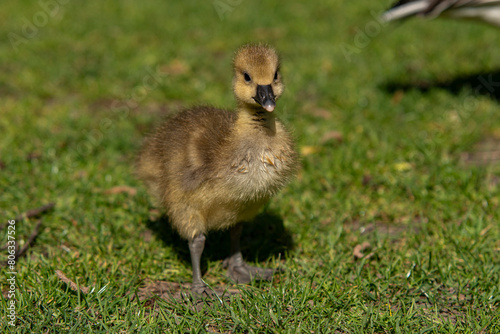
391, 225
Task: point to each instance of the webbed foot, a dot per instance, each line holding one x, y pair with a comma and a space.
240, 272
246, 273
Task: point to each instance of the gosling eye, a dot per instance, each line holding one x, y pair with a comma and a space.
247, 77
276, 76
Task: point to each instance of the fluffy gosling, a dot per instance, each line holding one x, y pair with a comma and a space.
213, 169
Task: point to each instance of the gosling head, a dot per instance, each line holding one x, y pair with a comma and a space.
257, 78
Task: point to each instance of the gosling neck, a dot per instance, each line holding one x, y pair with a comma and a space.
257, 117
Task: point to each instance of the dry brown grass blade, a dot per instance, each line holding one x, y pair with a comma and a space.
73, 286
35, 212
21, 252
30, 240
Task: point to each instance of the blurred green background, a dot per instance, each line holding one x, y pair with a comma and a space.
398, 127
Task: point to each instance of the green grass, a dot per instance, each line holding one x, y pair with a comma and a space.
413, 174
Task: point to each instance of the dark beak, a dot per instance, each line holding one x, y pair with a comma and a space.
265, 97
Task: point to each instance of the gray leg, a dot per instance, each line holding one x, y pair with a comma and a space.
236, 256
196, 246
238, 270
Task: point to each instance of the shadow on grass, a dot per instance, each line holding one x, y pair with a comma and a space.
478, 84
261, 239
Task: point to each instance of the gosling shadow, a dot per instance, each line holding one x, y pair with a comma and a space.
477, 84
262, 239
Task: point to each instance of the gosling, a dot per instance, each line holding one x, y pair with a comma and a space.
213, 169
